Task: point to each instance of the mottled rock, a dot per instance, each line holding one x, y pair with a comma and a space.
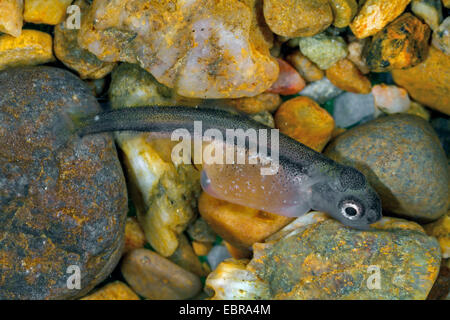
186, 258
45, 11
134, 235
321, 91
260, 103
54, 214
304, 120
441, 287
428, 82
441, 37
73, 56
156, 278
308, 70
355, 55
344, 11
323, 50
402, 44
429, 10
346, 76
201, 48
238, 225
116, 290
390, 152
11, 18
351, 108
297, 18
289, 81
318, 258
441, 231
30, 48
375, 15
391, 99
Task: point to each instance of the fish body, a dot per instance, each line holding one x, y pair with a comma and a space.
304, 179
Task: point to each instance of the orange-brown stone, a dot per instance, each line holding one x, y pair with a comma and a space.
346, 76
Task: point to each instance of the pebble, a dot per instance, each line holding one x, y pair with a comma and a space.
441, 231
44, 11
441, 37
355, 55
265, 118
186, 258
321, 91
238, 225
391, 99
30, 48
446, 3
205, 51
418, 110
401, 45
429, 10
217, 255
304, 120
201, 248
390, 152
11, 19
289, 81
374, 15
61, 215
116, 290
308, 70
134, 235
73, 56
429, 81
156, 278
252, 105
319, 258
352, 108
323, 50
297, 18
344, 11
345, 75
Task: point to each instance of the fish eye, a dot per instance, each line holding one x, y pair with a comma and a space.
351, 210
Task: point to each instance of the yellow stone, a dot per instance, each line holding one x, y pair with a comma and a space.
375, 15
45, 11
344, 11
418, 110
30, 48
429, 81
345, 75
240, 226
201, 248
11, 19
441, 231
263, 102
307, 69
304, 120
113, 291
134, 235
297, 18
446, 3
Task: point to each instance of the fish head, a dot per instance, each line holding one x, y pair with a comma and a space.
348, 198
